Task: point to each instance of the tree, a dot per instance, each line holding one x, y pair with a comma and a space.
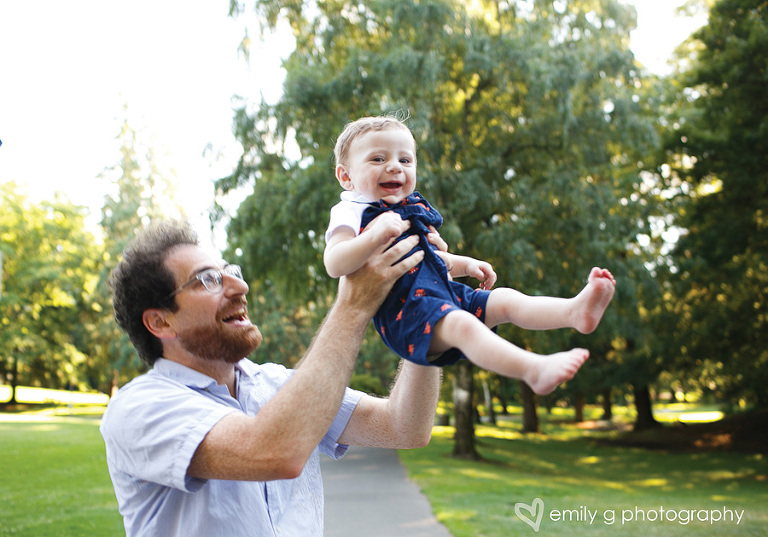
140, 194
49, 261
718, 153
528, 125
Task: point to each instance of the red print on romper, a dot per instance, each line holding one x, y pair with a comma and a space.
479, 313
419, 293
427, 328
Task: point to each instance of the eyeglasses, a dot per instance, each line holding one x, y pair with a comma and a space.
211, 279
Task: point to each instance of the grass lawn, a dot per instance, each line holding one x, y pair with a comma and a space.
54, 482
54, 479
576, 477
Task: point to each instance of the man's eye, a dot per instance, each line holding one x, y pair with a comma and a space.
210, 278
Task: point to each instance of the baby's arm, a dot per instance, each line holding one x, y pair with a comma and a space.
461, 265
345, 253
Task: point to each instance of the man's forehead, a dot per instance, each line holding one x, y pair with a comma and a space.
186, 260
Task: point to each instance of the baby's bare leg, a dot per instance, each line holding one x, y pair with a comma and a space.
543, 374
582, 312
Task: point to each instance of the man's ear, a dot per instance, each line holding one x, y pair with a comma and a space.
344, 179
156, 322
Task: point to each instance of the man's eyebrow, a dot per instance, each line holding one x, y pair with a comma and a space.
203, 269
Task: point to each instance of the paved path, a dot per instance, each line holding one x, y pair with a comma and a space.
367, 493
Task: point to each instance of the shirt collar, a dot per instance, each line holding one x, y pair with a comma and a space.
194, 379
349, 195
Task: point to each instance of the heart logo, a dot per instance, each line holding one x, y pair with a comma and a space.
535, 512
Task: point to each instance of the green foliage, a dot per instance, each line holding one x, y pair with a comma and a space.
55, 310
49, 262
368, 384
720, 174
529, 128
139, 194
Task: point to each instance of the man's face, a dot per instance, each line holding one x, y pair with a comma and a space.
212, 326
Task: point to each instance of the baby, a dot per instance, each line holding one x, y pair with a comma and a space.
428, 318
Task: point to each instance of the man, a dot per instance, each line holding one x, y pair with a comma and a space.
208, 443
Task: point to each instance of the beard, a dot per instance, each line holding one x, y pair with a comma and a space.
221, 343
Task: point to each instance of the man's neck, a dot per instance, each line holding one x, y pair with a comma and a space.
221, 371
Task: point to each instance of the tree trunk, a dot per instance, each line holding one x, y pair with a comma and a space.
489, 402
578, 401
463, 386
502, 395
14, 378
607, 406
645, 419
530, 417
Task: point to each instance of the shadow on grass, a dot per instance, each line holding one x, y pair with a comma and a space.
600, 472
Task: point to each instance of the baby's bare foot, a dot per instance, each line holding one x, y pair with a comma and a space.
591, 302
551, 371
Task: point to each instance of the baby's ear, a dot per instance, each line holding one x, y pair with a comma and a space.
343, 176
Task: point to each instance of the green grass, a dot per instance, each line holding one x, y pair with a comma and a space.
572, 472
54, 479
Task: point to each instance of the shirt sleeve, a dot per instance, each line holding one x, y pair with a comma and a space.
152, 433
345, 214
329, 444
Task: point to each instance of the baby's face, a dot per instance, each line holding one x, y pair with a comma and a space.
381, 165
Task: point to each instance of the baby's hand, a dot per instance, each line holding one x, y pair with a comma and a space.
480, 270
387, 227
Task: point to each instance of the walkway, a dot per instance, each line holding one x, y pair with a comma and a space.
368, 493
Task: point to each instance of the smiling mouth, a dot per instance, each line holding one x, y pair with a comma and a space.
237, 317
390, 185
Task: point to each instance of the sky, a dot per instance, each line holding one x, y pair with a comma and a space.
72, 72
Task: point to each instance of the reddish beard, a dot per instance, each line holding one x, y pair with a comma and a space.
217, 343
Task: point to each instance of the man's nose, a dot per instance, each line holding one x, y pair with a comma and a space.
234, 285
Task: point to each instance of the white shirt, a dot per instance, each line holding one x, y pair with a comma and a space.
151, 430
347, 213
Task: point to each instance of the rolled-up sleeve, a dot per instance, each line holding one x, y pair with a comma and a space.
329, 444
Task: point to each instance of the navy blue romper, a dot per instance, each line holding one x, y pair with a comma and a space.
425, 295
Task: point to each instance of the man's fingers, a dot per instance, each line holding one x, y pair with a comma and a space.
438, 241
395, 252
409, 262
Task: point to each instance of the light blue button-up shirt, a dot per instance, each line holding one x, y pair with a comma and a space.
151, 430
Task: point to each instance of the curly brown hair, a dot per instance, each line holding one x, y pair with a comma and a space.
142, 281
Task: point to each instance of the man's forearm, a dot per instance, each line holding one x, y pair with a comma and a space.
404, 420
413, 402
